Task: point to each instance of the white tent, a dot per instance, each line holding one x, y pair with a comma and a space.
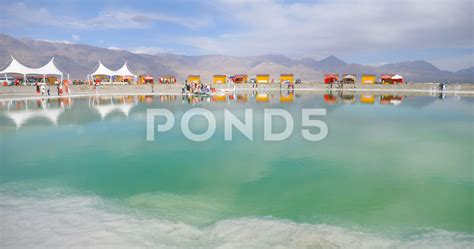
49, 69
349, 76
124, 71
397, 77
103, 70
16, 67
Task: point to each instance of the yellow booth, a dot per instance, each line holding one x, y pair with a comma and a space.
263, 78
194, 79
287, 77
368, 79
219, 79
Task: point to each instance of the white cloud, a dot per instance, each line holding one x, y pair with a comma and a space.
110, 19
76, 37
454, 63
55, 41
143, 50
115, 48
336, 27
150, 50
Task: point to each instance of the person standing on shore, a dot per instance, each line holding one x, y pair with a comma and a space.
152, 85
42, 89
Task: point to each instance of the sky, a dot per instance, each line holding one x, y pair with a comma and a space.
365, 31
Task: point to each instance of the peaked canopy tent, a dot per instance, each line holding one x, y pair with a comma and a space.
349, 78
102, 70
397, 78
16, 67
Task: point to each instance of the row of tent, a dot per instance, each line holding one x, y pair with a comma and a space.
124, 74
242, 78
16, 67
50, 69
365, 78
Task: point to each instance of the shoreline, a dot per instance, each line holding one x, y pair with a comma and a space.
418, 89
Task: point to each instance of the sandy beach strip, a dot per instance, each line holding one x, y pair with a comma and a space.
417, 89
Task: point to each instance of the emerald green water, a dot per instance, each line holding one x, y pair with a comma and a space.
385, 176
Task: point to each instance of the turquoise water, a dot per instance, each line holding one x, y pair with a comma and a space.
393, 172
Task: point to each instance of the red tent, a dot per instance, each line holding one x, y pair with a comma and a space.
148, 79
330, 78
386, 78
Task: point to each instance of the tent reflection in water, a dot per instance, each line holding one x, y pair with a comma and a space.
348, 97
367, 99
286, 98
242, 98
391, 100
330, 99
17, 68
262, 98
22, 111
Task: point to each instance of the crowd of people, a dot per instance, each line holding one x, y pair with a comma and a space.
196, 88
45, 89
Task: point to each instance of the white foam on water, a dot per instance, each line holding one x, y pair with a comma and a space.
72, 221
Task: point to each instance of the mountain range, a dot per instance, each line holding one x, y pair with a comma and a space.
79, 60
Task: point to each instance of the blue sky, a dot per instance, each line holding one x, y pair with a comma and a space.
364, 31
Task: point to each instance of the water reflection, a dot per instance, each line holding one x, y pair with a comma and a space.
108, 104
21, 112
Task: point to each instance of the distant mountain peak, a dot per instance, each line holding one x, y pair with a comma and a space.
333, 60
